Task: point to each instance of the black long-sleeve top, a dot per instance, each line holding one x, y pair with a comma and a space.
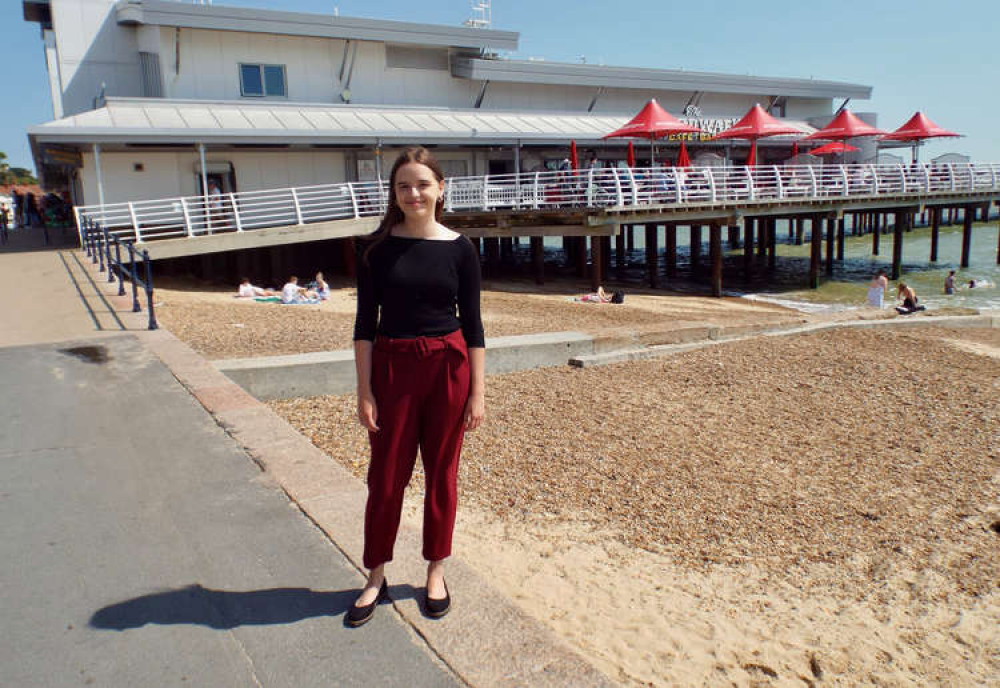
420, 288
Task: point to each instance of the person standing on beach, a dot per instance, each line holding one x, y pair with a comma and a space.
877, 288
420, 354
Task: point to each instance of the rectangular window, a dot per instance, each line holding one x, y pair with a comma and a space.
260, 80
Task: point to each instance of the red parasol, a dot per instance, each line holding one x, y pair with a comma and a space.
682, 158
833, 148
916, 129
652, 122
574, 160
756, 124
844, 126
630, 156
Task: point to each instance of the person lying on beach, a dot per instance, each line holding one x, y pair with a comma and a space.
293, 293
601, 296
909, 298
247, 290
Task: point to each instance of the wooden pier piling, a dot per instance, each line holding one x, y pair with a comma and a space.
897, 243
670, 250
715, 253
652, 269
816, 247
935, 232
967, 218
538, 259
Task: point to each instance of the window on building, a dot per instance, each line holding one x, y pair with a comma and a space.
262, 80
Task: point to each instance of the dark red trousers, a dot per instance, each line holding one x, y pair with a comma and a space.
421, 387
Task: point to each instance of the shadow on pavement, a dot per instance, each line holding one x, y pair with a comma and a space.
223, 609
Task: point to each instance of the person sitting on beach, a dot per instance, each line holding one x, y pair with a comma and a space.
321, 287
247, 290
949, 283
877, 288
293, 293
909, 298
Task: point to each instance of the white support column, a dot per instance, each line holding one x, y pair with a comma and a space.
236, 212
204, 188
100, 179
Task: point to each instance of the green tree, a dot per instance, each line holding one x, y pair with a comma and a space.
14, 175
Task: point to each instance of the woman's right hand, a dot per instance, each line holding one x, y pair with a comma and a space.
368, 412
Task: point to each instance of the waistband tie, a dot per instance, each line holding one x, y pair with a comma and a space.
420, 346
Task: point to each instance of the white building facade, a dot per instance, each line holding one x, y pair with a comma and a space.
152, 98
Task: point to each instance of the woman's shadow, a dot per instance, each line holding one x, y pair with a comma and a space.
222, 609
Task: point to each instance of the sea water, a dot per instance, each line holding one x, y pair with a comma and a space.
787, 283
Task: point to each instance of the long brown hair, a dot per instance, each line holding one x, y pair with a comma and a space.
393, 213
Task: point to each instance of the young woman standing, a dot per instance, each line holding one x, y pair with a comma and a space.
420, 356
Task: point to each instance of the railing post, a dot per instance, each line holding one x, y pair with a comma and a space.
298, 208
632, 184
534, 191
777, 181
118, 264
972, 177
79, 227
874, 178
354, 199
107, 256
187, 217
844, 180
149, 289
711, 184
814, 191
590, 187
236, 212
902, 178
751, 187
486, 195
951, 176
97, 252
133, 270
104, 241
619, 196
927, 177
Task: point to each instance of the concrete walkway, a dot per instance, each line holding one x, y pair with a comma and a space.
144, 545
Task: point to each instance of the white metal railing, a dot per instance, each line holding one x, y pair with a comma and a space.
193, 216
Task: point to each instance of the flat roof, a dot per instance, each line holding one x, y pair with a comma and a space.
222, 18
157, 120
561, 73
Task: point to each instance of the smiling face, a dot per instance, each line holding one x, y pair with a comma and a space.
417, 191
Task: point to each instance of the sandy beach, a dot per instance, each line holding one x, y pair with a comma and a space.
812, 509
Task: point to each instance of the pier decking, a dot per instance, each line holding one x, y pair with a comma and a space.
593, 203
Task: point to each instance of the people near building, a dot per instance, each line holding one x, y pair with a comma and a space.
909, 302
4, 220
248, 290
949, 283
215, 213
420, 356
876, 290
31, 214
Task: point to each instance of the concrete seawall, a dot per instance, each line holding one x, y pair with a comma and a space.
332, 372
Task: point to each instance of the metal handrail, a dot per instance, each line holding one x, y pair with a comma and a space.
626, 188
97, 242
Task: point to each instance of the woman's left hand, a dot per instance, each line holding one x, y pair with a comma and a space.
475, 409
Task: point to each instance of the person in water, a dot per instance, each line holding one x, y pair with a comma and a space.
909, 298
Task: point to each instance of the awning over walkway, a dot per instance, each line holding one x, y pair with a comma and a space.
173, 122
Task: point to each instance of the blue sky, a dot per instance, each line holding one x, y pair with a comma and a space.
917, 54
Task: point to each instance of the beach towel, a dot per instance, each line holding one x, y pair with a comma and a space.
268, 299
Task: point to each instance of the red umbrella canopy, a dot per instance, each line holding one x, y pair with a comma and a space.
683, 160
757, 124
846, 125
833, 148
918, 127
574, 159
653, 122
631, 155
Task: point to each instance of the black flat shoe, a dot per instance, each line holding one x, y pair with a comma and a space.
359, 616
438, 608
